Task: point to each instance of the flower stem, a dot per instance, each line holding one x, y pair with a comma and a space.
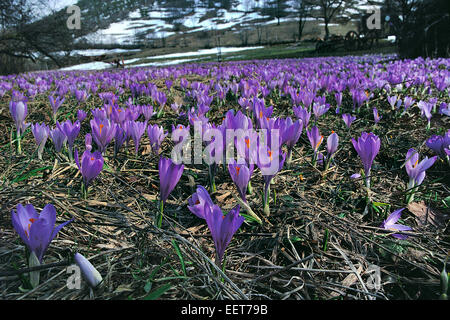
33, 261
19, 147
289, 158
212, 178
160, 112
84, 190
266, 199
161, 213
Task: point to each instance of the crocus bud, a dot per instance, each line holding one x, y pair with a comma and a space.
332, 144
90, 274
81, 115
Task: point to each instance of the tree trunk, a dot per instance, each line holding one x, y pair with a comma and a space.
327, 31
300, 29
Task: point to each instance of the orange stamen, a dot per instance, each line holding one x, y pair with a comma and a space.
92, 159
247, 142
320, 141
101, 127
237, 170
260, 114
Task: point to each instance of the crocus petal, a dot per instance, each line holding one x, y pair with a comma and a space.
89, 272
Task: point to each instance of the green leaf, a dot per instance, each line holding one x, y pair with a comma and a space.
380, 204
447, 201
30, 174
180, 256
155, 294
248, 218
148, 287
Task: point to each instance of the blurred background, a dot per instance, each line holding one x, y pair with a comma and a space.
40, 34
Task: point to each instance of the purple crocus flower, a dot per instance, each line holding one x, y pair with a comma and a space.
290, 133
99, 113
367, 146
81, 115
103, 131
119, 138
55, 103
415, 169
90, 167
136, 129
338, 96
71, 131
81, 95
376, 116
40, 133
439, 143
269, 164
392, 101
169, 175
156, 136
36, 230
168, 84
320, 109
59, 138
355, 176
199, 201
390, 224
240, 174
348, 119
222, 227
444, 109
302, 114
332, 144
425, 110
315, 138
407, 102
147, 111
19, 112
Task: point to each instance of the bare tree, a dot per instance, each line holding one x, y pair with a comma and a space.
303, 9
22, 35
330, 9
